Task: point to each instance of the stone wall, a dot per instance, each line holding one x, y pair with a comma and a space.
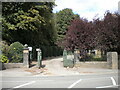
92, 64
13, 65
113, 62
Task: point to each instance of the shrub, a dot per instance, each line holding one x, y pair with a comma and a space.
4, 59
4, 48
16, 52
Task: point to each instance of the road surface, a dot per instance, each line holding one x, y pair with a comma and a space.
74, 81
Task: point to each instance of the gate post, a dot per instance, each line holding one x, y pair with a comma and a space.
112, 59
26, 56
30, 55
68, 59
64, 54
39, 57
76, 55
64, 58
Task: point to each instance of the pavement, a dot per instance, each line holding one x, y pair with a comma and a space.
53, 67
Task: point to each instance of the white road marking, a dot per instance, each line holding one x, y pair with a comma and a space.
21, 81
75, 83
13, 81
113, 81
108, 86
24, 84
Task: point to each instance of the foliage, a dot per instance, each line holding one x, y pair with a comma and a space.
16, 52
4, 59
92, 58
63, 19
99, 34
80, 36
32, 20
4, 48
50, 51
18, 18
107, 32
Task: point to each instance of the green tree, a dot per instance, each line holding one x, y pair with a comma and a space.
63, 20
28, 22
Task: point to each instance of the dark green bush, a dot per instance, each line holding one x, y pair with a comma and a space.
48, 51
92, 58
16, 52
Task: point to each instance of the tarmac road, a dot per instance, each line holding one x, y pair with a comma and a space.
56, 76
73, 81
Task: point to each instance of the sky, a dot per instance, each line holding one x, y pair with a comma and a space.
88, 9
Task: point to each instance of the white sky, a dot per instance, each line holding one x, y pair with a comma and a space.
88, 8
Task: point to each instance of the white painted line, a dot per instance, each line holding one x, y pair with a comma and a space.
108, 86
113, 81
24, 84
75, 83
12, 81
21, 81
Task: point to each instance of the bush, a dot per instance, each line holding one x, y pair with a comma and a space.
4, 48
16, 52
4, 59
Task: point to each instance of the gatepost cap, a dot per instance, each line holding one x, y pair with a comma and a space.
26, 45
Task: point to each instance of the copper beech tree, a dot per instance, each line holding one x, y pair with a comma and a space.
80, 36
98, 34
107, 32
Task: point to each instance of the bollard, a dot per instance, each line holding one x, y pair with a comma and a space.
26, 56
39, 57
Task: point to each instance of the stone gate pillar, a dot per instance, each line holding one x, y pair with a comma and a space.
26, 57
76, 55
112, 60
